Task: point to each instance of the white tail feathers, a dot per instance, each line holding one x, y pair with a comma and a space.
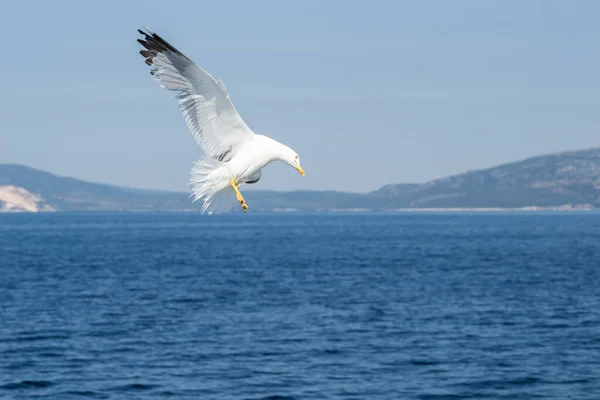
210, 182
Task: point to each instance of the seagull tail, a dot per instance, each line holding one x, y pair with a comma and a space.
209, 182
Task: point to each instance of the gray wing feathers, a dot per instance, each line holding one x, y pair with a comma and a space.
204, 102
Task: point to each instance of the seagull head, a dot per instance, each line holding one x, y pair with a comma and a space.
291, 158
281, 152
296, 164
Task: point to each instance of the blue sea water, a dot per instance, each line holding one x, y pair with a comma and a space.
300, 306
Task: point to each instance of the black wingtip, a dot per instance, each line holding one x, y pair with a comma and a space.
144, 30
143, 43
154, 45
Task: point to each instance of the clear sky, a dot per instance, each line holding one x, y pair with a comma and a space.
367, 92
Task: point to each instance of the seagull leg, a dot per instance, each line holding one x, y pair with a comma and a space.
239, 195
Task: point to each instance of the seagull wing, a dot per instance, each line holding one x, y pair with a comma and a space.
204, 102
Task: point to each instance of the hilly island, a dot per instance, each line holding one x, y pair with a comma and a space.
567, 180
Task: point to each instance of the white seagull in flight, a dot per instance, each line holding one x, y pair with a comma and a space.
233, 153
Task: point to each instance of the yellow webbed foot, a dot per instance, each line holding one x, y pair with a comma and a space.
240, 198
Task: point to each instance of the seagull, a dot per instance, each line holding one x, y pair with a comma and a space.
233, 155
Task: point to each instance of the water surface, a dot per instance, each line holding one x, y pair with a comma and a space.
300, 306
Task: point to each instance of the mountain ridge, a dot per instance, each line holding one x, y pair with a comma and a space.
566, 179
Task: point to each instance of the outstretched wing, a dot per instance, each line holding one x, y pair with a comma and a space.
204, 102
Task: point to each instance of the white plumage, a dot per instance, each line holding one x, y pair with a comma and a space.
233, 154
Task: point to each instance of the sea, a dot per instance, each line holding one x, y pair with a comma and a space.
286, 306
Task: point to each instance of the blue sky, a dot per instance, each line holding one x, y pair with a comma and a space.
367, 92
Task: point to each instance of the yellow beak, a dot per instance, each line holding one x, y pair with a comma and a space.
300, 169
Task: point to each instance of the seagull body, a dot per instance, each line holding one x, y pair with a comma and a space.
233, 154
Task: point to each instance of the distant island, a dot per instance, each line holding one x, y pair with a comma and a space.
560, 181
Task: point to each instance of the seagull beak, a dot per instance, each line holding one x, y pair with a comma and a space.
300, 169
